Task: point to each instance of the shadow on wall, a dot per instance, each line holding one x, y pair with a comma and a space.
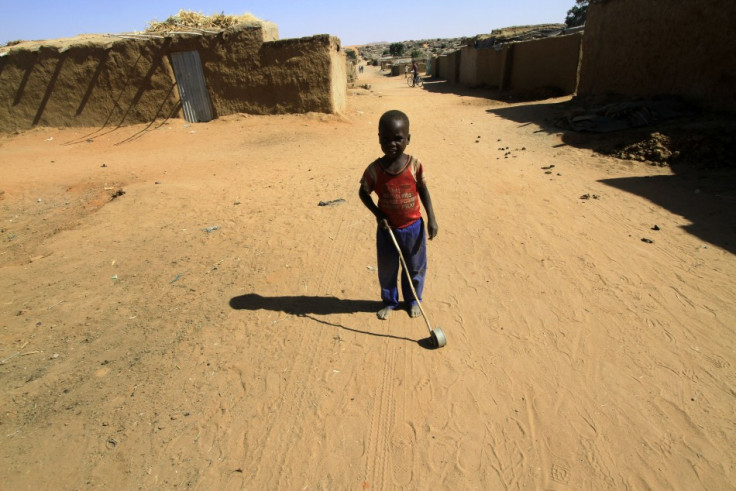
703, 187
87, 86
24, 80
143, 85
104, 56
116, 112
49, 89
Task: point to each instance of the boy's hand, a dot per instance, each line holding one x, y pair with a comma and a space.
432, 228
382, 220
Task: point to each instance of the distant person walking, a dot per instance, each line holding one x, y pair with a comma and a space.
415, 70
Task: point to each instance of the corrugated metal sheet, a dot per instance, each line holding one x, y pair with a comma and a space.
195, 100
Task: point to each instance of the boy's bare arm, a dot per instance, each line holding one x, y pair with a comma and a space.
365, 197
432, 226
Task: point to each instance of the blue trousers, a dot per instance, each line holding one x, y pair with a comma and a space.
413, 243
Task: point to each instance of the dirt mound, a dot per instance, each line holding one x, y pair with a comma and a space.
657, 149
708, 147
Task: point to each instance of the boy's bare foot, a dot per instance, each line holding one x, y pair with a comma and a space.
384, 313
414, 311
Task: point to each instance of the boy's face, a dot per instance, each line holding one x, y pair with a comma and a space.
394, 137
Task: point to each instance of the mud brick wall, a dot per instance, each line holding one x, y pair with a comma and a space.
522, 66
661, 47
112, 81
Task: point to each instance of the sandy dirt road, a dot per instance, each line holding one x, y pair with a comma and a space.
212, 327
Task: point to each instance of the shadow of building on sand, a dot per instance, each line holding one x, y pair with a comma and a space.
702, 187
708, 204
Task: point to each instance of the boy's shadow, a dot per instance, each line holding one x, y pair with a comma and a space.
307, 306
302, 305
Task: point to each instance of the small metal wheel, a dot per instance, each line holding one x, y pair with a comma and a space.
438, 337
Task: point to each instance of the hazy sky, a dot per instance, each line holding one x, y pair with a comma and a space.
354, 22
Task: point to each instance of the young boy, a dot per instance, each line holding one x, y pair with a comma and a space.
399, 182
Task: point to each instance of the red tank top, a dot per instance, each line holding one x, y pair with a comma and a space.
398, 195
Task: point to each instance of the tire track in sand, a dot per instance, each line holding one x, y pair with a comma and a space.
375, 462
286, 424
389, 461
403, 433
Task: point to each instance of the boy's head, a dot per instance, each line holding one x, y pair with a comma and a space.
393, 133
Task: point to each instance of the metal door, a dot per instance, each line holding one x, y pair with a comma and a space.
195, 100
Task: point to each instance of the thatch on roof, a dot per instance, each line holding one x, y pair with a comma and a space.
188, 19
